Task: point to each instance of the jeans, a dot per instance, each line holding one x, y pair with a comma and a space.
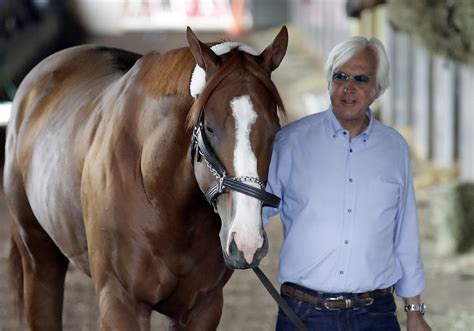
379, 316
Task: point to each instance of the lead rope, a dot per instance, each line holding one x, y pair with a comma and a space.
282, 303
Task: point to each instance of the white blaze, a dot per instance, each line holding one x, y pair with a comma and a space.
245, 225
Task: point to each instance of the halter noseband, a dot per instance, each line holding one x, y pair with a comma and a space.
201, 147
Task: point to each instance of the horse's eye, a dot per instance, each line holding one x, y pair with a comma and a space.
210, 130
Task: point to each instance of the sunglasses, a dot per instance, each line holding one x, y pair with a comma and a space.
342, 77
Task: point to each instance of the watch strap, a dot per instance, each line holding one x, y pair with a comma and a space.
419, 307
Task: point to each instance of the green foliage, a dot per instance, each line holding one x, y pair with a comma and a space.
445, 27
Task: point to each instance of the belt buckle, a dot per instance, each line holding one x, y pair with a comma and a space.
333, 299
370, 301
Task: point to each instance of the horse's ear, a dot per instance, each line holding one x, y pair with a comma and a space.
274, 53
204, 56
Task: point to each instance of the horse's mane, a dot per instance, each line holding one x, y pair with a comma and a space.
158, 68
246, 65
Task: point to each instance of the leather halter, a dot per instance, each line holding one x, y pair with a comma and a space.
200, 147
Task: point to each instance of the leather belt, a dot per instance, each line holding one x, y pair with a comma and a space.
351, 301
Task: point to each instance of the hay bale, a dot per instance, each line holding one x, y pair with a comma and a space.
465, 195
445, 215
451, 211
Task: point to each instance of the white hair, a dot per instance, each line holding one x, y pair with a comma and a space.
343, 51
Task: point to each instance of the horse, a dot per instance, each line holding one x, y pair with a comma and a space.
147, 173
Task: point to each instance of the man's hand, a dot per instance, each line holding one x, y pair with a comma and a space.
416, 322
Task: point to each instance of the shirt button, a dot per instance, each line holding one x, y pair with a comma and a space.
341, 272
346, 242
334, 136
349, 210
350, 150
351, 180
344, 133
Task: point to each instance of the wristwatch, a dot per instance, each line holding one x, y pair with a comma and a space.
420, 307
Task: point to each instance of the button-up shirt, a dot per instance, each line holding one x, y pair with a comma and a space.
347, 206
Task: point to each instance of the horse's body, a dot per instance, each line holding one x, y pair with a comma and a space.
98, 172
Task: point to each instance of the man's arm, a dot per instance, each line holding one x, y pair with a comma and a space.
408, 251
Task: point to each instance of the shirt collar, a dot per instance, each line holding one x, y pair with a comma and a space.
335, 126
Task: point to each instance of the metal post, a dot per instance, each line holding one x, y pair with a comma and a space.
402, 82
443, 111
387, 111
466, 141
421, 101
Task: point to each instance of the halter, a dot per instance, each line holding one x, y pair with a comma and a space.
201, 147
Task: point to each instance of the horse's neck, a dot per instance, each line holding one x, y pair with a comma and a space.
165, 160
164, 82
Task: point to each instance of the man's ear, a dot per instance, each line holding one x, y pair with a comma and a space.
274, 53
203, 54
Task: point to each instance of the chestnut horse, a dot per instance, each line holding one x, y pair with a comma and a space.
100, 171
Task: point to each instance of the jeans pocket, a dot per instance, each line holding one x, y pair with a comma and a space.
302, 309
383, 306
376, 319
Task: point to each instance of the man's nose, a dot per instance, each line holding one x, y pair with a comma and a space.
349, 85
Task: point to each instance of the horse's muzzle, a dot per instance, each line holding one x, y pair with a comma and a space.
236, 260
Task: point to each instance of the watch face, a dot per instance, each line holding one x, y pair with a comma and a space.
422, 308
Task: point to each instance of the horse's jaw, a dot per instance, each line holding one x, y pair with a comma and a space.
243, 239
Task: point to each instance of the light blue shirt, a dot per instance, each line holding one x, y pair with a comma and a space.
348, 207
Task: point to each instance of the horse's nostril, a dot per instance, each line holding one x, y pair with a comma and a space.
233, 248
231, 241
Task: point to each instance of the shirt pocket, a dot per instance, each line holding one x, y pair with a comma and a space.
383, 196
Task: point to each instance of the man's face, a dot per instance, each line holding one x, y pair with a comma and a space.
350, 98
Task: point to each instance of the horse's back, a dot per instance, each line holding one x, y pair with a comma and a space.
55, 115
74, 75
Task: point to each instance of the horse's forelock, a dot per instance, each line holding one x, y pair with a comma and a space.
236, 60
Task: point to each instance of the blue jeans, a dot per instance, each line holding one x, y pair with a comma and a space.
379, 316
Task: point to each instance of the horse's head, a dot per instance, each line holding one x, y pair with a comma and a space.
235, 120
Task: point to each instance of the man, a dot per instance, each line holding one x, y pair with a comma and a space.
348, 206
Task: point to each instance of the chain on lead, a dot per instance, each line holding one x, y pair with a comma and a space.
250, 180
211, 168
220, 186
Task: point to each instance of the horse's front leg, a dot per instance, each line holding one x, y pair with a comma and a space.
204, 315
119, 310
116, 284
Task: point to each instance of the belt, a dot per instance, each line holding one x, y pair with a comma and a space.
342, 302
